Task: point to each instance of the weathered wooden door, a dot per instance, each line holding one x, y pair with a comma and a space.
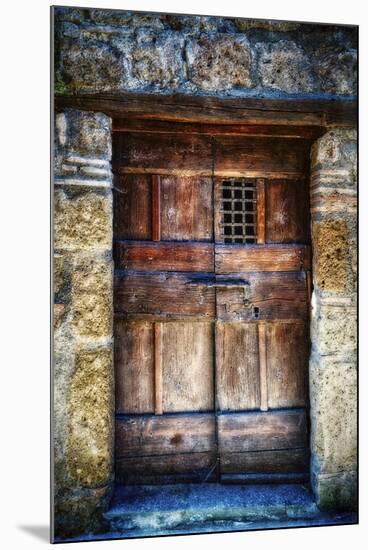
211, 306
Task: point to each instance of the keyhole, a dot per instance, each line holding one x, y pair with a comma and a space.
256, 312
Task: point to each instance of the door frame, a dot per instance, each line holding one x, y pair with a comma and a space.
294, 118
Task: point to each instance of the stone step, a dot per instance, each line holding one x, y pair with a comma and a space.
154, 510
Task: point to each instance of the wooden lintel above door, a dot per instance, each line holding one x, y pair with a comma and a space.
187, 108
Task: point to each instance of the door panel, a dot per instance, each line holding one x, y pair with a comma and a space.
134, 367
287, 365
164, 469
287, 205
265, 296
180, 154
243, 259
262, 431
187, 366
237, 372
164, 434
164, 256
159, 296
195, 221
133, 207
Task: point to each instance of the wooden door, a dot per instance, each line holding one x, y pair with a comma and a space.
211, 306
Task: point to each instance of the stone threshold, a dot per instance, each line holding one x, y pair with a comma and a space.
149, 511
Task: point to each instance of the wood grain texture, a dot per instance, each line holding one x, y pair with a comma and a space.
261, 211
263, 431
204, 109
187, 363
237, 156
187, 210
237, 373
132, 207
290, 460
239, 258
159, 470
274, 295
265, 478
182, 154
134, 367
165, 434
260, 130
263, 352
164, 256
159, 296
217, 199
287, 367
156, 208
158, 328
287, 219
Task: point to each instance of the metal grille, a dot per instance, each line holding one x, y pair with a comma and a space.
239, 210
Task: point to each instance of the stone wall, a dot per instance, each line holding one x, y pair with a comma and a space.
112, 51
83, 374
333, 373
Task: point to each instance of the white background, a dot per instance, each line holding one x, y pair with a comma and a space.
24, 219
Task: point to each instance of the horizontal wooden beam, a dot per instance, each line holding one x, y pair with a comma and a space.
260, 130
239, 258
164, 256
189, 108
264, 431
163, 435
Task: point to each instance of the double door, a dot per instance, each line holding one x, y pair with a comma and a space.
211, 308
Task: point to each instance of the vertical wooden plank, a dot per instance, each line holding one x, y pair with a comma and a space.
156, 208
237, 366
134, 367
158, 368
187, 366
262, 343
132, 207
186, 208
287, 365
287, 211
261, 211
217, 197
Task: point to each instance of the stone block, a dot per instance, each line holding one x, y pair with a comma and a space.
89, 452
84, 133
334, 330
124, 18
83, 221
219, 62
336, 148
157, 59
81, 511
89, 64
92, 298
284, 66
336, 491
333, 410
337, 70
331, 255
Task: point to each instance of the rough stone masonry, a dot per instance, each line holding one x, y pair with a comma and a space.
115, 51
